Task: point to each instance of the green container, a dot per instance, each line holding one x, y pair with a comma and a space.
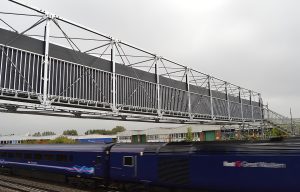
138, 139
210, 136
143, 139
135, 139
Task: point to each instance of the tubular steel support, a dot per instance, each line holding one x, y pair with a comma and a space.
211, 98
241, 101
187, 71
260, 104
157, 88
268, 111
113, 69
228, 101
46, 62
251, 104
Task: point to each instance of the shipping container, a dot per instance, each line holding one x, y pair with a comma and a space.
210, 135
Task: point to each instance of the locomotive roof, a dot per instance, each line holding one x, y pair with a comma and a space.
58, 147
280, 146
137, 148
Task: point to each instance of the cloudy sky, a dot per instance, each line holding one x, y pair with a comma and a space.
251, 43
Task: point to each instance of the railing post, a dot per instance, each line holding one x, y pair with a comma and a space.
113, 69
228, 101
187, 71
157, 87
46, 61
211, 98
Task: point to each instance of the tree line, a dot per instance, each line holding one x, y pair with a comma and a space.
71, 132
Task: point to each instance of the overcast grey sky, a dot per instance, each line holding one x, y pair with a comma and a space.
251, 43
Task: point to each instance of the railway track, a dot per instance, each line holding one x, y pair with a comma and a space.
15, 184
10, 183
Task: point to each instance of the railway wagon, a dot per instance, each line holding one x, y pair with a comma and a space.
56, 162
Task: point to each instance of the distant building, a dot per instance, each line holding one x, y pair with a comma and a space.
173, 134
18, 139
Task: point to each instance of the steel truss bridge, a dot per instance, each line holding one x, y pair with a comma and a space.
53, 66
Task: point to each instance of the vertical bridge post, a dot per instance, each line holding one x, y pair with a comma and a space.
211, 98
241, 101
228, 101
46, 60
157, 87
187, 71
251, 104
113, 70
261, 106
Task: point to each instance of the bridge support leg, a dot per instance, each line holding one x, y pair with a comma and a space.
251, 104
241, 101
260, 104
46, 62
187, 71
113, 69
157, 88
228, 101
211, 98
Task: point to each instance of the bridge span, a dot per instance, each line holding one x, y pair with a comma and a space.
53, 66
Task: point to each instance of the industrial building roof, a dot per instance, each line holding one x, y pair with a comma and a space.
170, 130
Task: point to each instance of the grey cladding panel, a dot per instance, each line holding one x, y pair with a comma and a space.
172, 83
218, 94
199, 90
200, 104
22, 42
77, 57
135, 73
234, 99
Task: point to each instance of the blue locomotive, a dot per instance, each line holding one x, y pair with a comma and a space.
211, 166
